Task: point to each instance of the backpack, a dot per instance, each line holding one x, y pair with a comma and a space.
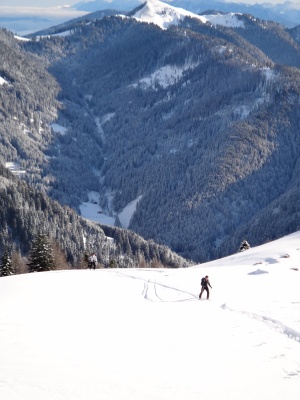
203, 282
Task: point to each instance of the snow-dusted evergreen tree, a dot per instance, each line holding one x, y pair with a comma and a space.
41, 255
244, 246
6, 266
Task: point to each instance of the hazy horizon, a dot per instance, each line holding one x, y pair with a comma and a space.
70, 3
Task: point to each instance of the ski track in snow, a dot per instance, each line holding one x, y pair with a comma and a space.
154, 291
273, 323
150, 291
143, 333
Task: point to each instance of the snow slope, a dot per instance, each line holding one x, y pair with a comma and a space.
144, 334
164, 15
92, 211
2, 81
164, 76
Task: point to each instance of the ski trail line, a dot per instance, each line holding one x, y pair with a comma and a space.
275, 324
155, 284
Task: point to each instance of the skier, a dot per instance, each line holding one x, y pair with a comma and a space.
204, 286
93, 261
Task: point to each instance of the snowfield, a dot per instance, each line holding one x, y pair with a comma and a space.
143, 334
164, 15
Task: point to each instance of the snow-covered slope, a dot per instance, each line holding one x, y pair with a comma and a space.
164, 15
2, 81
144, 334
230, 20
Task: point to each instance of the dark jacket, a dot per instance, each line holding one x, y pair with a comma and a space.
205, 283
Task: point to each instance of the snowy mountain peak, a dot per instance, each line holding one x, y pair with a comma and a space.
164, 15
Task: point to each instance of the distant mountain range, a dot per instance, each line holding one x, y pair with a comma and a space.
29, 21
153, 11
193, 119
286, 13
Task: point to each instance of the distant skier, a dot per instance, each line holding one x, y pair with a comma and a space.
204, 286
93, 261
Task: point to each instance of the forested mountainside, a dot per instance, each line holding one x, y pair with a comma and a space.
26, 212
75, 23
28, 104
280, 44
199, 121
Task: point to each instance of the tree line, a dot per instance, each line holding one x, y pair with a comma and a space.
26, 213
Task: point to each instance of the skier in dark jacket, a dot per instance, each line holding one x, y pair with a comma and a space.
204, 286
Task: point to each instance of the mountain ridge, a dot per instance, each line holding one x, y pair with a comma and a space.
286, 13
198, 121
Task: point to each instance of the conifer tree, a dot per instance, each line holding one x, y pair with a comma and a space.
244, 246
41, 255
6, 267
19, 263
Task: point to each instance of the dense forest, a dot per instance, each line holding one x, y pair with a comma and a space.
200, 122
26, 213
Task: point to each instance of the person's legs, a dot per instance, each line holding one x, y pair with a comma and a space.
207, 293
202, 290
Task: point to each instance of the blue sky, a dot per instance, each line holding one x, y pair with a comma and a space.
37, 3
54, 3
